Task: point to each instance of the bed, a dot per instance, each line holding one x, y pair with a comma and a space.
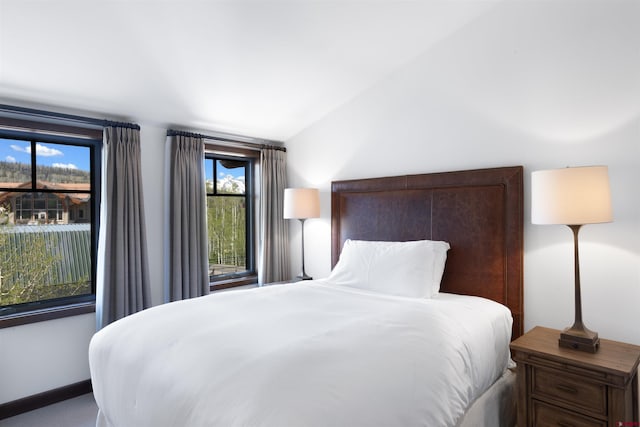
337, 351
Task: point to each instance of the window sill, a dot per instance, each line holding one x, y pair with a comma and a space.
232, 283
47, 314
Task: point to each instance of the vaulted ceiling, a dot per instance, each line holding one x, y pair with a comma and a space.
260, 68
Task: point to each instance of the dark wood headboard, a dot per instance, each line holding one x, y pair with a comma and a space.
479, 212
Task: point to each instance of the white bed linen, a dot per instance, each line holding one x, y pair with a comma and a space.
496, 407
306, 354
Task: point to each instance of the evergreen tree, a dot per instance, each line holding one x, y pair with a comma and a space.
21, 172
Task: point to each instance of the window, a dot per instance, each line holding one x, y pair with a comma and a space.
49, 185
229, 187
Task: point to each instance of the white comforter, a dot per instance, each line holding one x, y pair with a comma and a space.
306, 354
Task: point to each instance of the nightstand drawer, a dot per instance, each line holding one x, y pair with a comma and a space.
547, 415
559, 386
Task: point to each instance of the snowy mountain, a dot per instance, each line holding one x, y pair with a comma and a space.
230, 184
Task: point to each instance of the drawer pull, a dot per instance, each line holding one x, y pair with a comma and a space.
566, 388
564, 424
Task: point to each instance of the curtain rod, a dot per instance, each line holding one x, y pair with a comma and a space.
65, 117
228, 138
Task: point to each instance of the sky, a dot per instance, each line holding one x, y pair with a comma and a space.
237, 173
47, 154
72, 157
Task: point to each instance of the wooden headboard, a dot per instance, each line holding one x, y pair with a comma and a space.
479, 212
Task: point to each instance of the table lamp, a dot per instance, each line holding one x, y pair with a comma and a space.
301, 203
573, 197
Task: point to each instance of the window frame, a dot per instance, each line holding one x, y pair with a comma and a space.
34, 132
248, 276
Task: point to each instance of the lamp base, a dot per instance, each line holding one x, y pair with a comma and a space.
579, 339
304, 276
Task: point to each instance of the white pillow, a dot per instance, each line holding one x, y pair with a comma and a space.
410, 269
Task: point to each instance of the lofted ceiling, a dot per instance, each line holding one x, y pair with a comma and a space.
266, 69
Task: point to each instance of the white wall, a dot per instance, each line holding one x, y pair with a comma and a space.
152, 141
540, 84
43, 356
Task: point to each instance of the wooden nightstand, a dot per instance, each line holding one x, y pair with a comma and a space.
564, 387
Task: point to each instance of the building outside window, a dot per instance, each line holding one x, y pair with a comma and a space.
48, 219
230, 225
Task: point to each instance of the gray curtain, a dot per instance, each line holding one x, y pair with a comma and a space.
123, 269
274, 230
188, 260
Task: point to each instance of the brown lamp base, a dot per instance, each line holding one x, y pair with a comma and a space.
579, 339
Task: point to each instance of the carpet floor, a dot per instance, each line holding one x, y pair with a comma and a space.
77, 412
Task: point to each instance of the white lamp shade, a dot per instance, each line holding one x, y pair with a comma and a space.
571, 196
301, 203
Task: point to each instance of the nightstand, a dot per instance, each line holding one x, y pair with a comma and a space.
566, 387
